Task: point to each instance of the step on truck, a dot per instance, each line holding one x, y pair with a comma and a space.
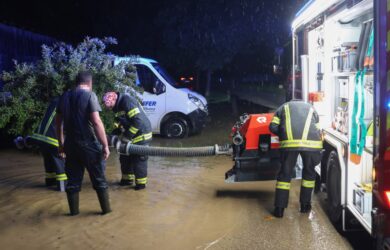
341, 50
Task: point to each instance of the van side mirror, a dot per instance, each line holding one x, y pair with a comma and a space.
159, 88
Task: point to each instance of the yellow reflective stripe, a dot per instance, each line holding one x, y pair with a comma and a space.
318, 126
288, 122
130, 177
133, 130
142, 180
301, 143
61, 177
133, 112
116, 125
307, 125
275, 120
120, 113
49, 121
50, 174
138, 139
283, 185
308, 184
148, 136
370, 130
46, 139
143, 137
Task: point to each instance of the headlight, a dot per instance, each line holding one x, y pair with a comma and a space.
197, 102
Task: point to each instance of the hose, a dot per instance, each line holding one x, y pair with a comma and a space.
25, 142
173, 152
237, 139
127, 148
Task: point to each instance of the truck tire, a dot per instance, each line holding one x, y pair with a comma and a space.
333, 187
176, 127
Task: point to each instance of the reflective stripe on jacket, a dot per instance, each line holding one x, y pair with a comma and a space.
296, 124
46, 133
134, 121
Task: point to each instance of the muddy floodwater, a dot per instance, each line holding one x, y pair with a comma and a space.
187, 205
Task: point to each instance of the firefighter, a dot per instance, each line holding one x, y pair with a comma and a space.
85, 144
296, 124
136, 128
45, 137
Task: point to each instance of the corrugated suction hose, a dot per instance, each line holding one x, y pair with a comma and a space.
127, 148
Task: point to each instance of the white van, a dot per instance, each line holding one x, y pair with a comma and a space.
173, 112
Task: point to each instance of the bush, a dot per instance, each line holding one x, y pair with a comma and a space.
33, 85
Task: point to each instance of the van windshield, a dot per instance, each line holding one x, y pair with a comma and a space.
165, 75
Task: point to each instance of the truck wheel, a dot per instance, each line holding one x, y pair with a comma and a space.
176, 127
333, 187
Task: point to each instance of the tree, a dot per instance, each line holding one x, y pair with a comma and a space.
209, 34
33, 85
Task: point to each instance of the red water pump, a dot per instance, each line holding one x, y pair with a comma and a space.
255, 149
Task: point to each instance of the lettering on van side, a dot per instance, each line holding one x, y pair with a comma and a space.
149, 106
149, 103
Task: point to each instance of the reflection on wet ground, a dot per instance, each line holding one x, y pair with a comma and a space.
187, 205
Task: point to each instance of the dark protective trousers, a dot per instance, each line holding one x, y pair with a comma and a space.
54, 165
135, 167
289, 159
81, 155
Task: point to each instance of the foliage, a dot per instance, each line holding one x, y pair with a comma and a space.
210, 34
33, 85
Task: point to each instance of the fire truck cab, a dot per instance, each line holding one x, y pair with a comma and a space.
341, 49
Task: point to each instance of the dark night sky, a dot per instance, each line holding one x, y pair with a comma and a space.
133, 22
130, 21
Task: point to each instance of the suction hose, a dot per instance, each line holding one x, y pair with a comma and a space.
127, 148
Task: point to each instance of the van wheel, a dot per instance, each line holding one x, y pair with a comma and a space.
333, 187
176, 127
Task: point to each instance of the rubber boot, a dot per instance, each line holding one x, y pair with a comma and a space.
104, 201
278, 212
126, 182
305, 208
73, 201
140, 187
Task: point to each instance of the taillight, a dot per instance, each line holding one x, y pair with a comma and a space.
387, 194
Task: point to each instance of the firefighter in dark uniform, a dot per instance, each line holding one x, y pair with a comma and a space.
85, 144
296, 124
45, 137
136, 128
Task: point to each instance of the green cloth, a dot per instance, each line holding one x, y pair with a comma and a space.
359, 128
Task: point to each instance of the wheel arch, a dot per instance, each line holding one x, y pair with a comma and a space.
176, 115
333, 144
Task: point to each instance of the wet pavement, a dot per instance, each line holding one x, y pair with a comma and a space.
187, 205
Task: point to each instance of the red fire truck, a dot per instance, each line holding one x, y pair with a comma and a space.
341, 48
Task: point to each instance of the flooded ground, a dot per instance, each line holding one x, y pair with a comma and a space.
187, 205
